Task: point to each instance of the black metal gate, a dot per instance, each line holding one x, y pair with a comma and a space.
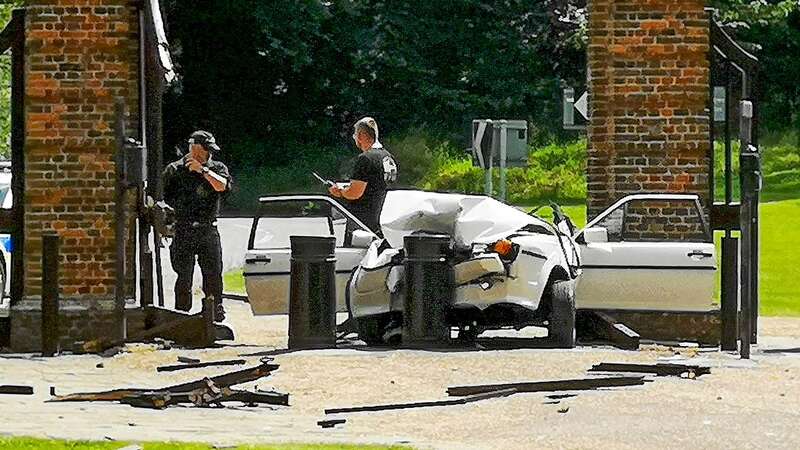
734, 111
12, 39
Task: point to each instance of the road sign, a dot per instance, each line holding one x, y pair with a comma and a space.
582, 104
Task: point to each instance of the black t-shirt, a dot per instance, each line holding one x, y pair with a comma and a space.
378, 169
192, 196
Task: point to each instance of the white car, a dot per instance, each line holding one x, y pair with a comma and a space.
621, 261
6, 201
511, 268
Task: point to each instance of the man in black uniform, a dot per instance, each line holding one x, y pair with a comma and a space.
194, 186
375, 170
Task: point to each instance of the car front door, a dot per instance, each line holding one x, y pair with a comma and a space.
267, 261
648, 253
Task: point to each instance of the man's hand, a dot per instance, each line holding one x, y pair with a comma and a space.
194, 165
335, 191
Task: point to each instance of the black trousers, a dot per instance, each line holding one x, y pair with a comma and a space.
199, 244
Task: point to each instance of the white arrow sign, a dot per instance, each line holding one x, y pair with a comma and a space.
582, 104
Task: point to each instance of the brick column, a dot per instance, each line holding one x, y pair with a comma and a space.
81, 55
648, 83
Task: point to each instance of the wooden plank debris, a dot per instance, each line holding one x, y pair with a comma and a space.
582, 384
225, 380
597, 325
460, 401
9, 389
661, 369
197, 365
209, 395
331, 423
187, 360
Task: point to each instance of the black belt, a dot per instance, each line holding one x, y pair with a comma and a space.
196, 224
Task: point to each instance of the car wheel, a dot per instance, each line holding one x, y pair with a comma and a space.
561, 322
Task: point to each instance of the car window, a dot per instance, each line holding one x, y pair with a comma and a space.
281, 219
674, 220
613, 224
4, 191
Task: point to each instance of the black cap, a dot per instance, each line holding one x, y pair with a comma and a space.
205, 139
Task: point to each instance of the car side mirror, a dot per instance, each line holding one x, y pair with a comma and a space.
362, 239
595, 235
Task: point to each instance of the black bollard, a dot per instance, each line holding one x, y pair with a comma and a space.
312, 292
50, 332
430, 288
729, 309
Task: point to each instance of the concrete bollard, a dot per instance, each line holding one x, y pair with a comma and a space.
430, 288
312, 292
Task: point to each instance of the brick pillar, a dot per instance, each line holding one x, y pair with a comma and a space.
648, 84
81, 55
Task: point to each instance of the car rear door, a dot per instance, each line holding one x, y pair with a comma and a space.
657, 255
267, 261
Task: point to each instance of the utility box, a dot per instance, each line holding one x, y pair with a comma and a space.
487, 138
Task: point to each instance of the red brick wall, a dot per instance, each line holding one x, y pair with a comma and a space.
648, 84
80, 56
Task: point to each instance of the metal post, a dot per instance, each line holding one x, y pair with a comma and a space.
747, 185
120, 217
503, 156
50, 331
312, 292
18, 156
728, 149
730, 292
430, 288
487, 175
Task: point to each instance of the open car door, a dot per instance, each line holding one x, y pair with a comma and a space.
267, 261
648, 252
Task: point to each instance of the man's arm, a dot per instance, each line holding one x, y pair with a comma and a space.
217, 179
353, 192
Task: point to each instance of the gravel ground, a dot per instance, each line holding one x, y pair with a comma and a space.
741, 404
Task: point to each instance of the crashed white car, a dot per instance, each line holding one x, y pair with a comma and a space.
647, 253
511, 268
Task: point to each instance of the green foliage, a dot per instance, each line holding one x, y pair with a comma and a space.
555, 172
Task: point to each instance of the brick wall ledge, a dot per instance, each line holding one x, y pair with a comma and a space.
66, 305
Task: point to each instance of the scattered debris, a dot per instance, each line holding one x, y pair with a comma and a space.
563, 410
16, 390
331, 423
660, 369
52, 391
197, 365
461, 401
597, 325
582, 384
225, 380
206, 396
561, 396
187, 360
132, 447
99, 366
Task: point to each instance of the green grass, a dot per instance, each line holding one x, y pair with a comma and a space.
233, 282
42, 444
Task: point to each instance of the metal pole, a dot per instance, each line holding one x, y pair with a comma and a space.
503, 150
730, 292
755, 252
120, 215
50, 331
487, 175
746, 214
728, 149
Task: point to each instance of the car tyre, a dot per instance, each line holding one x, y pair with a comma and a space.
561, 322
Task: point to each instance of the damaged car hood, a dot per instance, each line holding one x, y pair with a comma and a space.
467, 218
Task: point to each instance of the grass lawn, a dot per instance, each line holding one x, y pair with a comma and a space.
26, 443
780, 256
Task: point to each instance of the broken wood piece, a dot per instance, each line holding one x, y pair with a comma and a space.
660, 369
460, 401
187, 360
331, 423
225, 380
597, 325
16, 390
229, 362
582, 384
207, 396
